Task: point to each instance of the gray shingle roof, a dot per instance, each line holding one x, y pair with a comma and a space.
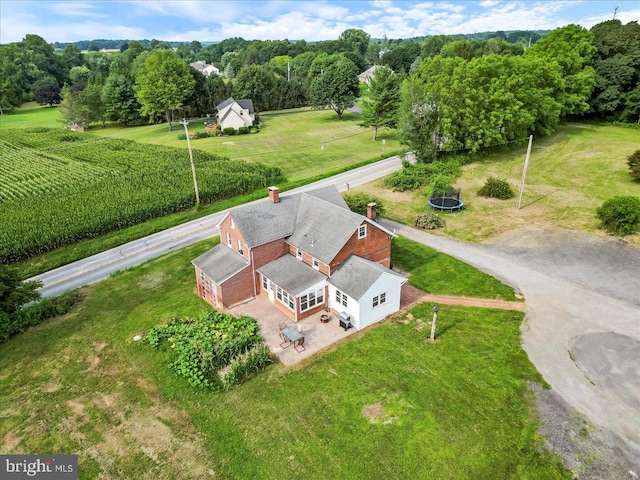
247, 104
291, 274
356, 275
265, 221
220, 263
322, 228
226, 103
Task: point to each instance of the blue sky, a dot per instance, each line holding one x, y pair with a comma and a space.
215, 20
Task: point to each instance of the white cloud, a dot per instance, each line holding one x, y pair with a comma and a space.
624, 16
74, 9
489, 3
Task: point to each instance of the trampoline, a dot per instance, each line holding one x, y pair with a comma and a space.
450, 201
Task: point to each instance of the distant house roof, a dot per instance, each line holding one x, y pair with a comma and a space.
291, 274
220, 263
245, 103
365, 76
356, 275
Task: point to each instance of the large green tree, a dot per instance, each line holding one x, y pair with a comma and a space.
572, 48
119, 100
380, 108
162, 85
617, 67
255, 82
336, 87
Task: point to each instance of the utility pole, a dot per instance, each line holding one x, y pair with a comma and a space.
288, 71
524, 170
193, 166
615, 10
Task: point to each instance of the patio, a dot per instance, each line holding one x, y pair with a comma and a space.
317, 335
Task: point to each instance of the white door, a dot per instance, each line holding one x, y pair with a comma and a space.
270, 290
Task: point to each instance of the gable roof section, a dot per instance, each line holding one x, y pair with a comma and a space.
356, 275
329, 194
220, 263
226, 103
247, 104
291, 274
265, 221
322, 228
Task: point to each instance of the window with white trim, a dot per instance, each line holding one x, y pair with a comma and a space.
362, 231
379, 299
240, 251
316, 264
233, 225
341, 298
311, 299
298, 254
228, 239
285, 298
265, 283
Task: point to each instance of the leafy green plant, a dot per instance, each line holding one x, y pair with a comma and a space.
620, 215
202, 347
634, 165
246, 364
418, 175
358, 202
243, 130
496, 188
429, 221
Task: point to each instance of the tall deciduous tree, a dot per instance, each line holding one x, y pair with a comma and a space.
14, 293
49, 93
336, 87
380, 108
572, 48
162, 84
72, 109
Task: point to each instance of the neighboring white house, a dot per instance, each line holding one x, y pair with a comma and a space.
204, 68
236, 113
365, 290
365, 77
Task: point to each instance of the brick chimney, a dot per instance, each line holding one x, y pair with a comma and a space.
274, 194
371, 210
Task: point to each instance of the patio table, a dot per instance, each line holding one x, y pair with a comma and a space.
293, 336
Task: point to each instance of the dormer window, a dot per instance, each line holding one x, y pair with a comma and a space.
362, 231
316, 264
298, 254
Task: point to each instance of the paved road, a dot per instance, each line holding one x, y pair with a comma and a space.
100, 266
584, 340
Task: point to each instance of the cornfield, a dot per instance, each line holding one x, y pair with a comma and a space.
60, 187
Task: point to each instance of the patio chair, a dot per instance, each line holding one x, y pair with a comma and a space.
299, 346
286, 343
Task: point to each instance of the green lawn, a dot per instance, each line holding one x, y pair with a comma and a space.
302, 142
383, 404
32, 115
432, 272
570, 174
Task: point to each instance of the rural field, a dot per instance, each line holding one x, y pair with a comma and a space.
570, 174
459, 408
66, 187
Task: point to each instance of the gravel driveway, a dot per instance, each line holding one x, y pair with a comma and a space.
581, 331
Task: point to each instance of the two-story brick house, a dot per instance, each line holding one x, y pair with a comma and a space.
303, 252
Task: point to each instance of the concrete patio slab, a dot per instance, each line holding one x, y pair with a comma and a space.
317, 335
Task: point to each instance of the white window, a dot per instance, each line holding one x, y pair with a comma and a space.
233, 225
379, 299
240, 251
285, 298
298, 254
228, 239
362, 231
316, 264
341, 298
312, 299
265, 283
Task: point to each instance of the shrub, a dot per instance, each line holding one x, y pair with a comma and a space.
429, 221
229, 131
358, 202
496, 188
620, 215
243, 131
20, 320
182, 136
634, 164
440, 187
418, 175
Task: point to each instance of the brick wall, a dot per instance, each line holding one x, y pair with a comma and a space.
234, 233
237, 288
376, 246
308, 259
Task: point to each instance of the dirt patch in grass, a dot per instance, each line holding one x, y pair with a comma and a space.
228, 143
376, 414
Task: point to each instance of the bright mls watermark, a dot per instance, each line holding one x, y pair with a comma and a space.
50, 467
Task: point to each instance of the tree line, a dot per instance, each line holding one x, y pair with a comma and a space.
459, 92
